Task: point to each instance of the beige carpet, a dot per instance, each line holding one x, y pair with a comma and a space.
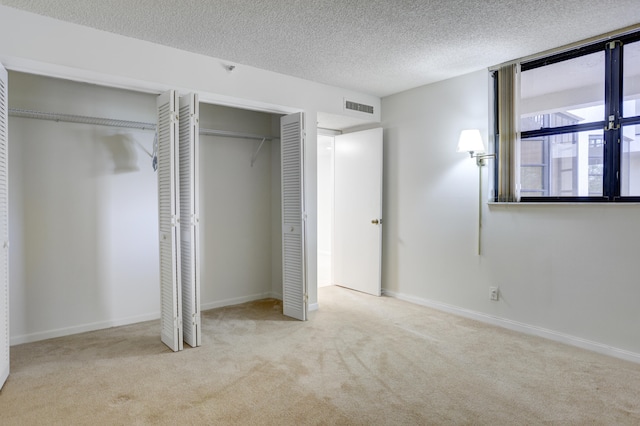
358, 360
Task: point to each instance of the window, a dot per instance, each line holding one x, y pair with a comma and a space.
596, 164
630, 140
548, 164
578, 114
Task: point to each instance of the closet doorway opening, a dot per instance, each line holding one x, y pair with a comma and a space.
83, 210
240, 203
84, 207
325, 206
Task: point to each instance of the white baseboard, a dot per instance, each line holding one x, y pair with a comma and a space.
520, 327
60, 332
100, 325
244, 299
236, 301
275, 295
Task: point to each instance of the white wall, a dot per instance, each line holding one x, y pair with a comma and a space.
564, 271
83, 211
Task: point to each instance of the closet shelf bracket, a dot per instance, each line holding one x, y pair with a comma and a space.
254, 157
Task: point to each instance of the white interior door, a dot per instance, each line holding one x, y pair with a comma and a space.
168, 218
189, 219
357, 246
4, 229
294, 287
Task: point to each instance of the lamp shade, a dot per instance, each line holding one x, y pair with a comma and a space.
470, 141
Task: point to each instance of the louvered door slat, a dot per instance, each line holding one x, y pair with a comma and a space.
168, 193
4, 229
293, 224
189, 260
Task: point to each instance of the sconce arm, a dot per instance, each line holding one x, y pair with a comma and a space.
480, 158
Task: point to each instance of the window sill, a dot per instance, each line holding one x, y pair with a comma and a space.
562, 203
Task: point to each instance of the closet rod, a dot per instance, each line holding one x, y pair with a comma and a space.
213, 132
69, 118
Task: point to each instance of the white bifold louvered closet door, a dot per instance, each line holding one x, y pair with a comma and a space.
294, 289
189, 227
4, 228
168, 217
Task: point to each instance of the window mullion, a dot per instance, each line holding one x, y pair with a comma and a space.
572, 128
613, 109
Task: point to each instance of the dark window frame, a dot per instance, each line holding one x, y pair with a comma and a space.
612, 124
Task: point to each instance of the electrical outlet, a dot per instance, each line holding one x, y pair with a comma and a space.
494, 293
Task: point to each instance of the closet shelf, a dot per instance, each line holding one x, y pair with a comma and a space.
70, 118
225, 133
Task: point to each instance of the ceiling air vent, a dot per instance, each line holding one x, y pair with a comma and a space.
354, 106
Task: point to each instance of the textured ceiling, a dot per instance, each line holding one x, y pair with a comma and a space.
378, 47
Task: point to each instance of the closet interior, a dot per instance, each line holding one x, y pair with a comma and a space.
84, 207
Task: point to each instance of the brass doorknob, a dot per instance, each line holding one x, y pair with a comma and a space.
375, 221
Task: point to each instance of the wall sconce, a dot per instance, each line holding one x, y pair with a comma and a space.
471, 141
